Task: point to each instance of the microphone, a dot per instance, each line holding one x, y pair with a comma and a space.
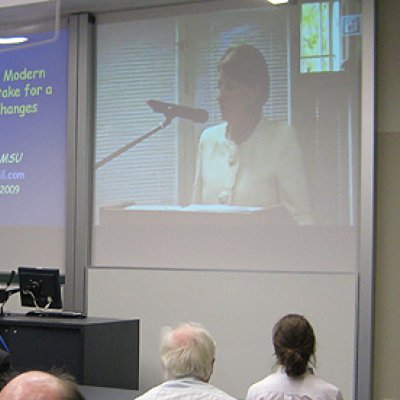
10, 279
6, 293
171, 111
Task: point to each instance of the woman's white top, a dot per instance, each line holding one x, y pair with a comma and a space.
279, 386
264, 171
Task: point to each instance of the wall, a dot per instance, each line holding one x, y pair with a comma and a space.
387, 275
240, 309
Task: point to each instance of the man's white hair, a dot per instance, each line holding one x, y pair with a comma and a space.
187, 351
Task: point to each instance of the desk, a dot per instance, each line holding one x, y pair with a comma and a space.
96, 351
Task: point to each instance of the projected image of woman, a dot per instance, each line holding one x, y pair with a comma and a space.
249, 160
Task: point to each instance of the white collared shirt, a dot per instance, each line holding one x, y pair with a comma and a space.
279, 386
185, 389
266, 170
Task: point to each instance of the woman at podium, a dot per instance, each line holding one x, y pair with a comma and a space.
249, 160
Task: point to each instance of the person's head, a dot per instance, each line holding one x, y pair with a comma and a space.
294, 343
243, 82
38, 385
187, 351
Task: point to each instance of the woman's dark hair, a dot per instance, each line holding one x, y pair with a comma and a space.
294, 343
246, 65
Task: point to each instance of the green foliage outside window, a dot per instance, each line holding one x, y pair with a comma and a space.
319, 39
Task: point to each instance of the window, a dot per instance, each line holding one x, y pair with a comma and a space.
320, 46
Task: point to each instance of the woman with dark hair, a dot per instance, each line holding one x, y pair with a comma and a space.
249, 160
294, 344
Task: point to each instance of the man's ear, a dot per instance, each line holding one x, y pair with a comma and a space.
212, 367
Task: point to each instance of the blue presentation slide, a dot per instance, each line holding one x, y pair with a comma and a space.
33, 134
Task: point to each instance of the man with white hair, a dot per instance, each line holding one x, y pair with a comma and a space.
187, 356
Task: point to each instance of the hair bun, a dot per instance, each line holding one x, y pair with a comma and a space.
294, 343
295, 364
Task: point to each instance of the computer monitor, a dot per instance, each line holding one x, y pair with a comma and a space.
40, 287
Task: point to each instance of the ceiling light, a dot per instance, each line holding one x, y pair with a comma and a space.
13, 40
26, 23
278, 1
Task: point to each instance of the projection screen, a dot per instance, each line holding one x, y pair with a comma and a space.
191, 195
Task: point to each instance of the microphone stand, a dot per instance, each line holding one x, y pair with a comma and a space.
6, 293
134, 142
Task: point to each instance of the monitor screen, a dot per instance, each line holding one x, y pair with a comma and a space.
40, 287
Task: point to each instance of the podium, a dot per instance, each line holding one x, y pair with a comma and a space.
96, 351
195, 236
